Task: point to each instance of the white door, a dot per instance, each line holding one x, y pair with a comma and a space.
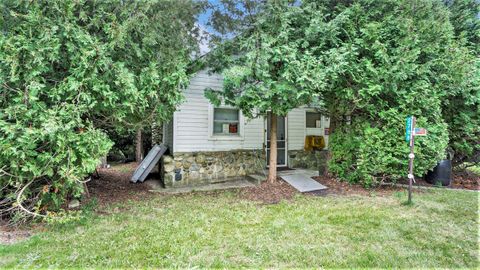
281, 140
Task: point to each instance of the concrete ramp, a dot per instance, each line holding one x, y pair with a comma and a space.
303, 182
148, 163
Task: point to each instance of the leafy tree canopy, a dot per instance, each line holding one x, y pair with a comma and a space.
461, 107
268, 70
68, 67
370, 64
465, 19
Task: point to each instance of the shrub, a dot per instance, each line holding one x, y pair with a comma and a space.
68, 68
385, 60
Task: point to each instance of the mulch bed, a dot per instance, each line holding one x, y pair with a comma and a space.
114, 185
269, 193
337, 187
465, 180
273, 193
460, 180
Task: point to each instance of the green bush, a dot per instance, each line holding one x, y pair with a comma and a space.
386, 60
369, 153
53, 147
69, 68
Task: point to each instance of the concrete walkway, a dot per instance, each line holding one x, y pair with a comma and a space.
238, 183
300, 179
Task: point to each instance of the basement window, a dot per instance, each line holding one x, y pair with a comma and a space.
226, 121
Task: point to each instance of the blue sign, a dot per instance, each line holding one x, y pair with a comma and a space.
408, 129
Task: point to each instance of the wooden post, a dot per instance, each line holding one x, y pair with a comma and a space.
411, 156
272, 169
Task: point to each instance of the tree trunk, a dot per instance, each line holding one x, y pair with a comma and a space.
139, 146
272, 170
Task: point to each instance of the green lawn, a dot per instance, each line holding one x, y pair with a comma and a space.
201, 230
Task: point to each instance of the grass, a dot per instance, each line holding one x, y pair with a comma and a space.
199, 230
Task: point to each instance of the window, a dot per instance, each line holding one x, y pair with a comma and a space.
225, 124
226, 121
313, 120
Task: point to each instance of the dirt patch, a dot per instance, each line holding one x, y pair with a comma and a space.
269, 192
113, 185
11, 235
337, 187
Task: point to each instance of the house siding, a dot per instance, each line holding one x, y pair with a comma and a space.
191, 121
189, 131
197, 157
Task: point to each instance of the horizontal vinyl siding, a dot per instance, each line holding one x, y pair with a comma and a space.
191, 121
254, 133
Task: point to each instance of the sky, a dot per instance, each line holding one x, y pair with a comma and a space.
202, 24
204, 43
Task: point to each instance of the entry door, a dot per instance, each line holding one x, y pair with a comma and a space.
281, 140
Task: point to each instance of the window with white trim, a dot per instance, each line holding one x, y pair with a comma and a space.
226, 121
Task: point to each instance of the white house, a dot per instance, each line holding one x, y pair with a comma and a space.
210, 144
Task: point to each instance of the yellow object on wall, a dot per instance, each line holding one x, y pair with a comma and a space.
314, 143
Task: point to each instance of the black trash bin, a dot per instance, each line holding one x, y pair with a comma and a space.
441, 174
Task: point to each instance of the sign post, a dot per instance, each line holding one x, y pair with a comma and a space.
410, 132
411, 156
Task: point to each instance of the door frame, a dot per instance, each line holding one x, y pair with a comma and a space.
265, 140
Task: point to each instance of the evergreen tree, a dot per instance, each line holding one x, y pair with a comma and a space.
69, 68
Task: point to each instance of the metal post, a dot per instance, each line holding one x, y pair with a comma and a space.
411, 156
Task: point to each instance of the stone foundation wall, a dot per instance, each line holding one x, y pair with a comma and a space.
314, 160
190, 169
